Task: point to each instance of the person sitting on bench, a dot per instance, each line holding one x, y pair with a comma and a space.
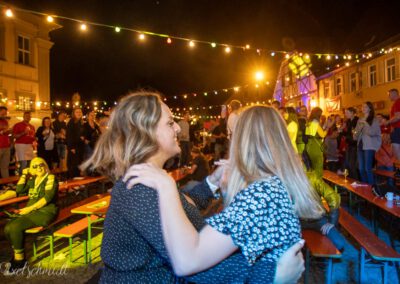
326, 224
41, 209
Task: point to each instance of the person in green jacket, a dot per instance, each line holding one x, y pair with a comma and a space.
41, 209
316, 134
327, 224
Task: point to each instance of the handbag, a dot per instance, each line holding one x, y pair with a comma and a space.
380, 189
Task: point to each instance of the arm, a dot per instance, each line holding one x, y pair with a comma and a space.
22, 184
358, 131
17, 133
394, 119
374, 129
327, 192
201, 194
189, 251
51, 187
321, 132
4, 128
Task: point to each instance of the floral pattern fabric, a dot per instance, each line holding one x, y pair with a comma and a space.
261, 220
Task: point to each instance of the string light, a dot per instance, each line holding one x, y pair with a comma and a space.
142, 37
85, 25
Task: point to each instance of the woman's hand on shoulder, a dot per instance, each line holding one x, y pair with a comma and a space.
290, 265
148, 175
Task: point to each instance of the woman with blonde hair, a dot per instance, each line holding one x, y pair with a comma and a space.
267, 191
142, 130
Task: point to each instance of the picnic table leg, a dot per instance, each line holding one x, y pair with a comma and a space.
34, 248
307, 266
329, 271
385, 266
89, 239
70, 249
351, 202
51, 241
374, 222
362, 265
85, 250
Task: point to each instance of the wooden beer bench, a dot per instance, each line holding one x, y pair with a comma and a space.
63, 215
370, 244
320, 246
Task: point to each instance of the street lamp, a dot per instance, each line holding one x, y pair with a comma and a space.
259, 76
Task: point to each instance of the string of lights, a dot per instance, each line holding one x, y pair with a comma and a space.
84, 26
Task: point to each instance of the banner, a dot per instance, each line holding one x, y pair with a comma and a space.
332, 105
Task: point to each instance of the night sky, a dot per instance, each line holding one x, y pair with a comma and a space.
103, 65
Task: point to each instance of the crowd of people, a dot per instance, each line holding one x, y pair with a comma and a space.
62, 144
270, 161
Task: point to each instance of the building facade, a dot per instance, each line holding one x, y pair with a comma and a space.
370, 80
25, 64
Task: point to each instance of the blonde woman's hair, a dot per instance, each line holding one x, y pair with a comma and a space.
131, 135
261, 147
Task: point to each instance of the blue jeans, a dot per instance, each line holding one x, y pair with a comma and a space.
61, 150
365, 163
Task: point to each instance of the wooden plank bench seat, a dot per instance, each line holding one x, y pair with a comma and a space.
63, 215
320, 246
73, 230
377, 249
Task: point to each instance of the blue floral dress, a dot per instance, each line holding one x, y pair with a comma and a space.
261, 221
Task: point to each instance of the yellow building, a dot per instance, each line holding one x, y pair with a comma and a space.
370, 80
25, 63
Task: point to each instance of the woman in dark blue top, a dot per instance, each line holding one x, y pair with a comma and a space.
142, 129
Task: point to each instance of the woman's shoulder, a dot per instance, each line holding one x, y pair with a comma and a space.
262, 186
138, 192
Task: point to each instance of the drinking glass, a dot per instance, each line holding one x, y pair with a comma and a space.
345, 173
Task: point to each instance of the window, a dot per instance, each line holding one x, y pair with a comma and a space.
353, 82
390, 70
25, 102
339, 87
24, 51
326, 89
360, 80
372, 75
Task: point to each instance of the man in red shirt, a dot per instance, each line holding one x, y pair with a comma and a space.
4, 142
394, 122
24, 134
